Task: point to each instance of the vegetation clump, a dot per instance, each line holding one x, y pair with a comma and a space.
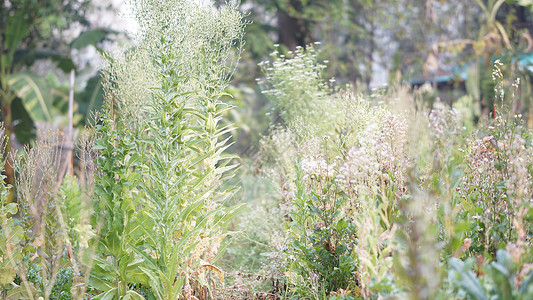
355, 194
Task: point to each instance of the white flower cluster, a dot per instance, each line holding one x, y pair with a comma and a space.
316, 168
382, 149
391, 149
520, 181
296, 87
360, 172
443, 120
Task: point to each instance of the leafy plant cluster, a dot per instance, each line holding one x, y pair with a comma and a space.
145, 216
322, 257
45, 246
380, 194
389, 197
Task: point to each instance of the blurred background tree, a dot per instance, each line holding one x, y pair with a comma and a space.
40, 44
369, 44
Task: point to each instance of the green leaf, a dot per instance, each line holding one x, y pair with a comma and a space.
341, 225
64, 63
102, 275
108, 295
24, 127
468, 280
505, 260
502, 276
15, 234
91, 37
132, 295
7, 275
29, 56
15, 31
91, 98
526, 283
148, 260
155, 282
11, 208
35, 94
21, 292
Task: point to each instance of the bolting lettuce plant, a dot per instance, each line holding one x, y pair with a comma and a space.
162, 162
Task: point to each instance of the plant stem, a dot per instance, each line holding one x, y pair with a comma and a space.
117, 279
124, 287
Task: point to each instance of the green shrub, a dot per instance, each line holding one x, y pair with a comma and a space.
322, 239
417, 186
503, 278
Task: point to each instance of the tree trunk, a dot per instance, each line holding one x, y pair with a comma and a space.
292, 31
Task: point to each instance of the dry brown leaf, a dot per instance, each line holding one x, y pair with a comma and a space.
210, 267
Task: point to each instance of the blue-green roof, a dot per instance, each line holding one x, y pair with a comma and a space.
461, 72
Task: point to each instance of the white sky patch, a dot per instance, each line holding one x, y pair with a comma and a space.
125, 21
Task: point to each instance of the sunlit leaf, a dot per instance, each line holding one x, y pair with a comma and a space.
34, 93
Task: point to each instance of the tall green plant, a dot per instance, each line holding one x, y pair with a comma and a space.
115, 191
162, 161
296, 87
322, 238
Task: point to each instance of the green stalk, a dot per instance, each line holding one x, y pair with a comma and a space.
124, 288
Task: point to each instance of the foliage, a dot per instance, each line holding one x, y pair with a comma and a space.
385, 193
501, 279
161, 160
25, 25
322, 240
298, 76
114, 209
408, 205
41, 254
